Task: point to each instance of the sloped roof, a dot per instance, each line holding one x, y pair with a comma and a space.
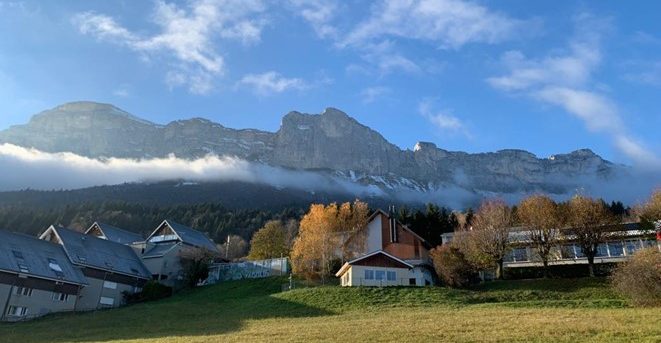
159, 250
406, 228
93, 252
188, 235
346, 265
34, 254
116, 234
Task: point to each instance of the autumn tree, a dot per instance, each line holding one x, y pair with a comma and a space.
233, 248
269, 242
650, 212
588, 220
541, 216
489, 241
322, 237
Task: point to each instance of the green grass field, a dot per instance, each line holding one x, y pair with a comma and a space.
257, 311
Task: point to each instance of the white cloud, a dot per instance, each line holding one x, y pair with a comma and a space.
319, 14
371, 94
566, 80
444, 23
448, 23
186, 34
29, 168
122, 91
271, 82
443, 120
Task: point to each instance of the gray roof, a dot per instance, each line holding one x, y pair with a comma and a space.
159, 250
191, 236
102, 254
19, 251
118, 235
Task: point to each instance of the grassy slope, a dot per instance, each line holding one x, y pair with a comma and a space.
256, 310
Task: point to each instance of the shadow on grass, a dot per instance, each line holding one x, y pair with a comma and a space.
583, 292
212, 310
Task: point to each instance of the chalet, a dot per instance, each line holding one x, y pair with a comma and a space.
36, 278
114, 234
161, 251
391, 247
110, 268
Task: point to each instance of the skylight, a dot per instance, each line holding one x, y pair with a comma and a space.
54, 265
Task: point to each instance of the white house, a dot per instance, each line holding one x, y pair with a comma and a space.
387, 239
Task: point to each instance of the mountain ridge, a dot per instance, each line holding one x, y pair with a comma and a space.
331, 141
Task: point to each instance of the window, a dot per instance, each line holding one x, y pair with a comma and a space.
631, 246
568, 251
17, 311
392, 276
369, 274
602, 250
20, 261
109, 284
55, 267
412, 282
107, 301
648, 243
380, 274
519, 255
60, 297
23, 291
616, 248
23, 268
579, 252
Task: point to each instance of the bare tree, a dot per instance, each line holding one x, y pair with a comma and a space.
489, 238
233, 248
589, 221
541, 216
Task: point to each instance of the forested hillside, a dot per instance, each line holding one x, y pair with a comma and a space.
214, 219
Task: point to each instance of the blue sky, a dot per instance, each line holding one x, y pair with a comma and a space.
548, 77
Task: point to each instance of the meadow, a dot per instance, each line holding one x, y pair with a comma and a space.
555, 310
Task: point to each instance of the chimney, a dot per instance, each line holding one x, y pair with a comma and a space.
392, 221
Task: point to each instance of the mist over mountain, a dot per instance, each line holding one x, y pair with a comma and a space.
330, 146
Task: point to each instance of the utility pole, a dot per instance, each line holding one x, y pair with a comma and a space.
227, 248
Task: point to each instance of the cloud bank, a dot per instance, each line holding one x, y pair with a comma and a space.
24, 168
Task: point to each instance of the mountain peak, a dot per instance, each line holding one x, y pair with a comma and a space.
85, 106
88, 108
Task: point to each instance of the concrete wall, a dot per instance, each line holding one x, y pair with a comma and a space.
90, 296
39, 303
374, 240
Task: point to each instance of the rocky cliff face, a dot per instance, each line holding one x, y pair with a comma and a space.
331, 142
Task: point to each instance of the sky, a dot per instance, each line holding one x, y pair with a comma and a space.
548, 77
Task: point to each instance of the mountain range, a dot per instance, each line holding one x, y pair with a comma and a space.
331, 143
